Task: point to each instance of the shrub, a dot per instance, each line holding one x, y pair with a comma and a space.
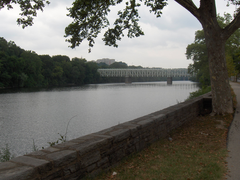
199, 92
5, 154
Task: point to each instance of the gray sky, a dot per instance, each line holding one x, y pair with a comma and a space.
163, 45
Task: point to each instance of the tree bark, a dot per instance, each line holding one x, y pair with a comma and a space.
215, 40
221, 92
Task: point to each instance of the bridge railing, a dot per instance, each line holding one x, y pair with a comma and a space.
180, 72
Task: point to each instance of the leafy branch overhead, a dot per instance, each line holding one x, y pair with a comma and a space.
90, 17
29, 9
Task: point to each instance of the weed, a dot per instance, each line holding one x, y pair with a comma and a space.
63, 138
34, 148
178, 102
5, 154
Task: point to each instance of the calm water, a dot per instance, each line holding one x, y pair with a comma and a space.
42, 114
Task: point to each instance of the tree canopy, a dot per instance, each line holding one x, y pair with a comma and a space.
90, 17
197, 51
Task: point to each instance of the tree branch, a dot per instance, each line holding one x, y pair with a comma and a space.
28, 8
128, 19
190, 6
232, 27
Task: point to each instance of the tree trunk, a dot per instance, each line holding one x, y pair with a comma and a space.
221, 92
215, 39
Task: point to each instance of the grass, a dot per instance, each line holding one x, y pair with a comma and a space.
197, 151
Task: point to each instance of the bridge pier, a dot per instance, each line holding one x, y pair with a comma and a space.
169, 80
128, 80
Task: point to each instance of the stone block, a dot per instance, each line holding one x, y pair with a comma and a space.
65, 145
13, 171
61, 158
90, 137
103, 161
130, 150
105, 143
133, 141
140, 146
120, 135
30, 161
133, 127
135, 121
37, 153
90, 158
77, 175
56, 175
41, 164
94, 142
116, 156
162, 132
50, 150
146, 123
85, 147
70, 169
158, 117
117, 146
94, 173
78, 140
163, 111
91, 168
117, 132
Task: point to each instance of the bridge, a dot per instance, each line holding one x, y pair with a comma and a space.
145, 72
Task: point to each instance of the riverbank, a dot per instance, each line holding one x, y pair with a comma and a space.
196, 150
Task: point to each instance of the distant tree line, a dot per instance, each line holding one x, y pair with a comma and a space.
21, 68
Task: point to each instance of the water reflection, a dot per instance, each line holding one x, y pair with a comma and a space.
186, 84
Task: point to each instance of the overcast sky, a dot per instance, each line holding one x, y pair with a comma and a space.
163, 45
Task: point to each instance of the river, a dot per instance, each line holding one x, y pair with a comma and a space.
41, 115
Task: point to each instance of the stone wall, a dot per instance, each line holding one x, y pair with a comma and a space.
93, 153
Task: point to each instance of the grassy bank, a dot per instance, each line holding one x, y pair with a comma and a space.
195, 151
